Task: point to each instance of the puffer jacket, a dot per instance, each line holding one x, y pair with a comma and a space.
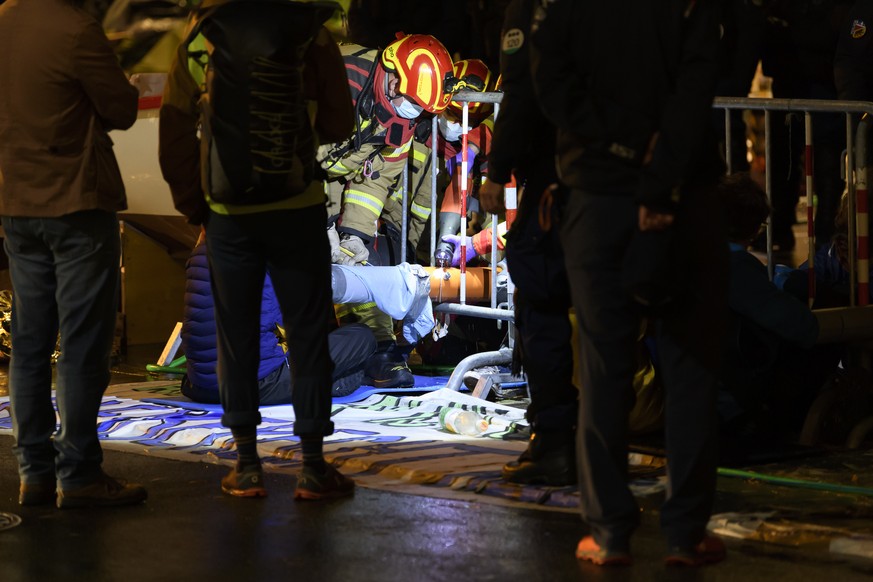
199, 341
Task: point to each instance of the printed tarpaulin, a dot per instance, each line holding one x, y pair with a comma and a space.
385, 442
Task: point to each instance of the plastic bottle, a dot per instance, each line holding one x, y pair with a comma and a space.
463, 422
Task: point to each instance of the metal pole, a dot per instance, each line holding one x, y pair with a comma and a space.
727, 141
768, 174
862, 194
434, 160
810, 206
404, 220
465, 119
852, 210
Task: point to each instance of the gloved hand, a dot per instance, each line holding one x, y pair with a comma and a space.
352, 246
336, 255
455, 240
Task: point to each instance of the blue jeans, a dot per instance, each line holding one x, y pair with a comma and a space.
64, 278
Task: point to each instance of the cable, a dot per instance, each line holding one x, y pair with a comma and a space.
791, 482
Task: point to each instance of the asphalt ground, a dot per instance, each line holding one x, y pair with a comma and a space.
189, 530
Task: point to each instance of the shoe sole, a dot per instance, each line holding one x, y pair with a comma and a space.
387, 384
251, 492
305, 495
610, 561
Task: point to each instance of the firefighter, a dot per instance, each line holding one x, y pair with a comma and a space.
390, 90
473, 75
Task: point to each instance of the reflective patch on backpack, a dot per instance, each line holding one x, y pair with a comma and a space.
257, 137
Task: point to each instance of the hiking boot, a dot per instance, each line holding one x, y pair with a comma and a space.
245, 482
315, 485
590, 551
40, 493
103, 492
347, 384
550, 459
709, 551
388, 370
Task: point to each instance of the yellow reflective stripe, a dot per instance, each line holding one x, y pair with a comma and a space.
419, 210
419, 155
338, 169
350, 308
397, 195
368, 201
397, 153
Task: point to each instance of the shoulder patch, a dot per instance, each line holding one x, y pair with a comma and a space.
859, 29
512, 41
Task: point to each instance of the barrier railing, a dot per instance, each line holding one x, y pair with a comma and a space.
856, 170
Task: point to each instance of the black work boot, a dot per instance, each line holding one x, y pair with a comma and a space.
550, 459
388, 370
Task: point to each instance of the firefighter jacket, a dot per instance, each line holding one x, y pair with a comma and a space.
420, 184
369, 162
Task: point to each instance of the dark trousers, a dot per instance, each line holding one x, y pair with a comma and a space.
350, 347
64, 278
293, 245
535, 259
595, 232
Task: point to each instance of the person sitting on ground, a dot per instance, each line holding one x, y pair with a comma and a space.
772, 370
831, 266
350, 345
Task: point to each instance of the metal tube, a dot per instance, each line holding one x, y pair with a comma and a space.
843, 324
434, 160
465, 129
793, 105
475, 310
727, 141
852, 210
768, 176
404, 203
456, 380
809, 169
862, 195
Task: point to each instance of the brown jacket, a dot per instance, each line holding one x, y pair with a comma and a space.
61, 90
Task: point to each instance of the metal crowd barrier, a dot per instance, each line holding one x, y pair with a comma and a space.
841, 324
502, 312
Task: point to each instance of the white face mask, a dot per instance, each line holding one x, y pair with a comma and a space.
451, 130
407, 109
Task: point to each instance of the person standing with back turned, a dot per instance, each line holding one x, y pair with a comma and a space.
265, 62
62, 90
641, 228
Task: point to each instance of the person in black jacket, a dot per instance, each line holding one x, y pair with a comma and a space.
853, 63
635, 147
524, 143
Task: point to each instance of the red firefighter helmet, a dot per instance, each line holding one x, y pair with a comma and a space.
424, 70
474, 76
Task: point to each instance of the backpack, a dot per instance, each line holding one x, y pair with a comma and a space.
256, 137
